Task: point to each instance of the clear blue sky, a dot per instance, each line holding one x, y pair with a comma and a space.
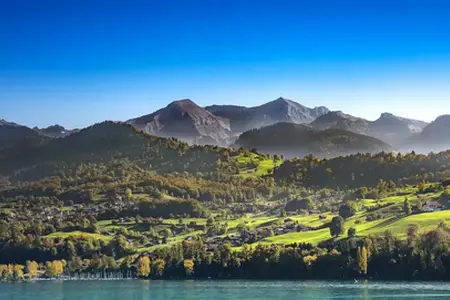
79, 62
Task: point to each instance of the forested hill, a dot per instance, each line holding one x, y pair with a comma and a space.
298, 140
36, 158
359, 170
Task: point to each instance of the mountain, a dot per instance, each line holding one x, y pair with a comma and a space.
280, 110
339, 120
54, 131
434, 137
297, 140
17, 139
388, 127
394, 129
186, 121
12, 132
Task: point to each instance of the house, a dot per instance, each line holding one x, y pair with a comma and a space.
432, 206
445, 183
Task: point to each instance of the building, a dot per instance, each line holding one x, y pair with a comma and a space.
432, 206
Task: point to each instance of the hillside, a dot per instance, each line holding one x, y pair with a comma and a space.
186, 121
280, 110
298, 140
388, 127
108, 142
395, 130
434, 137
339, 120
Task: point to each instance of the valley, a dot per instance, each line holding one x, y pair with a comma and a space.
127, 197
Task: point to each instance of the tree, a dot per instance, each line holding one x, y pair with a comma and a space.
210, 221
166, 233
18, 272
283, 214
54, 268
158, 266
189, 266
128, 193
351, 232
347, 209
407, 207
337, 226
412, 234
143, 266
32, 268
361, 259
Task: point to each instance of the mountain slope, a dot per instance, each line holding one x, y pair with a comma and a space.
280, 110
339, 120
394, 129
108, 142
388, 127
187, 121
296, 140
434, 137
54, 131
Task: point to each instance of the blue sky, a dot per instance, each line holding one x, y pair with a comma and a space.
79, 62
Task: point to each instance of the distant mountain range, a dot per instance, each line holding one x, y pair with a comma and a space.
277, 111
389, 128
230, 125
298, 140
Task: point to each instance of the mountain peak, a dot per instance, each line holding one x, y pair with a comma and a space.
182, 102
186, 106
3, 122
284, 101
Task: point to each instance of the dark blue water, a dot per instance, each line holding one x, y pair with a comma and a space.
219, 290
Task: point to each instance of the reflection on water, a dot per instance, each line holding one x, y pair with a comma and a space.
220, 290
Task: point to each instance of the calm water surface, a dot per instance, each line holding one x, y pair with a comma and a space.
219, 290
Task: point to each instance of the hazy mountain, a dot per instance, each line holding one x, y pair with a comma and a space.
394, 129
280, 110
434, 137
187, 121
297, 140
388, 127
54, 131
339, 120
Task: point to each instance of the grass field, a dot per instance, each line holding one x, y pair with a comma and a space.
264, 166
95, 236
389, 218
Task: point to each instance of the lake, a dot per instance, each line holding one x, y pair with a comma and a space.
219, 290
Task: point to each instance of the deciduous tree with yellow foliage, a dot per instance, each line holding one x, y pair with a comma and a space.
143, 266
189, 266
32, 269
158, 266
55, 268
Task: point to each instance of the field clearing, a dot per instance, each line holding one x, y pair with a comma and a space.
264, 166
94, 236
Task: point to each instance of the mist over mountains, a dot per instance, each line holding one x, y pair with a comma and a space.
281, 125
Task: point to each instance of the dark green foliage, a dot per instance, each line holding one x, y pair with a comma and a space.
294, 205
337, 226
407, 207
347, 209
359, 170
351, 232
